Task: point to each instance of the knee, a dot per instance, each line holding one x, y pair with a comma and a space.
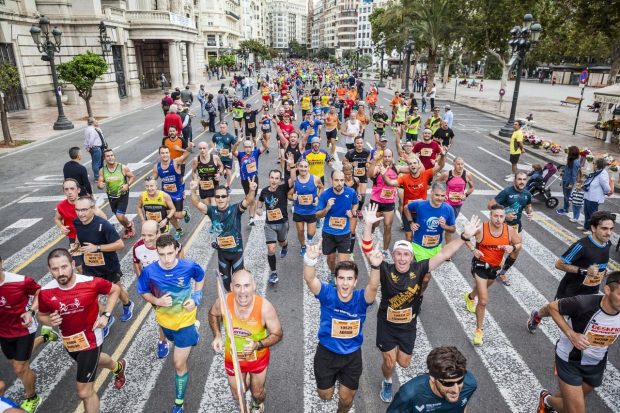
180, 366
84, 390
389, 363
326, 394
483, 301
345, 402
20, 368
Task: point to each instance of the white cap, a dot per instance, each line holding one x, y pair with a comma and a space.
404, 245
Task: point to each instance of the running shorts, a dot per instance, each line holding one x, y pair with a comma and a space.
228, 163
308, 219
87, 363
178, 204
331, 134
514, 159
483, 270
422, 253
183, 337
389, 337
336, 243
245, 184
276, 232
384, 207
411, 137
253, 367
208, 193
18, 348
575, 374
329, 367
250, 132
119, 205
457, 210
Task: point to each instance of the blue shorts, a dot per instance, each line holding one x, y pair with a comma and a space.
228, 163
184, 337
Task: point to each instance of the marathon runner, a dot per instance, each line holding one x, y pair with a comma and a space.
399, 121
493, 240
358, 157
516, 149
117, 178
515, 200
447, 387
306, 191
383, 194
380, 120
331, 129
257, 328
176, 144
343, 312
396, 100
248, 169
176, 303
412, 126
459, 186
222, 143
284, 128
237, 115
249, 117
305, 103
266, 120
226, 221
70, 302
428, 150
207, 168
295, 149
351, 129
353, 183
310, 128
317, 158
444, 135
434, 121
362, 118
155, 205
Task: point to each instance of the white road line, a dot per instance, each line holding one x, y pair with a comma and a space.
16, 228
39, 243
131, 140
18, 199
523, 167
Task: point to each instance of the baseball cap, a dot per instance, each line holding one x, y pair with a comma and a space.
404, 245
383, 138
248, 105
316, 139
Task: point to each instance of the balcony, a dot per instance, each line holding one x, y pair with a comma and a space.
233, 15
155, 24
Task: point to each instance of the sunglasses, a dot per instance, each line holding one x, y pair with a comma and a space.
451, 383
221, 196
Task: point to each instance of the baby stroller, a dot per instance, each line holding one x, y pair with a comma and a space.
540, 183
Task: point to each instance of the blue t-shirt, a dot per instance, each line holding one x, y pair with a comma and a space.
315, 126
336, 220
341, 325
306, 194
223, 144
318, 111
416, 396
514, 202
227, 226
248, 163
430, 234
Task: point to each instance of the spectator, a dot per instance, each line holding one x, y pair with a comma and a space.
201, 99
94, 142
166, 101
448, 116
186, 96
221, 104
173, 119
74, 169
569, 177
595, 187
210, 107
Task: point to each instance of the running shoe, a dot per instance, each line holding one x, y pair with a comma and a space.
106, 329
478, 335
283, 252
163, 349
187, 215
587, 232
580, 228
119, 378
177, 409
273, 278
302, 251
127, 312
257, 408
572, 220
560, 211
386, 391
533, 322
48, 334
178, 234
251, 222
542, 406
31, 405
469, 303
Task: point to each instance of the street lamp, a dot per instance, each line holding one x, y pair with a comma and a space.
382, 49
359, 53
523, 39
409, 47
48, 47
104, 39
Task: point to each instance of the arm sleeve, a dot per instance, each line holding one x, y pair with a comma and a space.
102, 286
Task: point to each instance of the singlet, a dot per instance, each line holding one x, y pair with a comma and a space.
252, 328
359, 160
413, 125
380, 120
489, 245
305, 103
331, 121
206, 173
455, 188
353, 128
171, 181
155, 209
306, 194
114, 180
434, 124
325, 101
401, 114
68, 215
401, 294
266, 123
238, 112
381, 192
583, 253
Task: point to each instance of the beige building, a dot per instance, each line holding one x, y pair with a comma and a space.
286, 20
221, 26
334, 25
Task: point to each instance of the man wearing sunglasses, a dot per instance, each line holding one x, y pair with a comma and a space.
446, 388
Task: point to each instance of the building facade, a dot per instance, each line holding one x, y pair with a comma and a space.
221, 26
285, 21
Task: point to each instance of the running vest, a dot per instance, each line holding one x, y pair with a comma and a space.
381, 192
489, 245
114, 180
305, 103
252, 328
154, 208
455, 187
306, 194
238, 112
434, 124
206, 173
353, 128
413, 125
401, 114
171, 182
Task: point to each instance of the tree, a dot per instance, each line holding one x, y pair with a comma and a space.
253, 46
324, 53
227, 60
365, 61
9, 81
82, 72
296, 49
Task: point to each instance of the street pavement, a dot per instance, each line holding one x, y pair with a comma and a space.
511, 367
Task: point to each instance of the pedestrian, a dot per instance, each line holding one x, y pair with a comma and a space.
95, 143
166, 102
431, 94
187, 131
173, 119
176, 94
187, 96
481, 85
595, 187
75, 170
201, 99
211, 111
448, 115
516, 149
163, 82
570, 176
222, 105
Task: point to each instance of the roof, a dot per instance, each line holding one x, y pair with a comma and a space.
609, 94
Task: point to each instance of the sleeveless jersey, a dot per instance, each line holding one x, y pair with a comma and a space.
353, 128
489, 245
113, 180
171, 182
251, 328
381, 192
413, 125
455, 186
154, 208
306, 194
206, 173
434, 124
401, 114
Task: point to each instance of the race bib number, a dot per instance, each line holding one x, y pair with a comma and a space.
426, 152
94, 259
251, 167
206, 185
224, 152
600, 336
359, 171
76, 342
170, 187
266, 126
226, 242
274, 214
337, 222
399, 316
304, 199
345, 328
455, 196
249, 357
387, 193
594, 280
430, 240
153, 216
251, 125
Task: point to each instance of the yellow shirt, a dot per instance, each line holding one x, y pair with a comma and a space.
317, 161
305, 103
517, 136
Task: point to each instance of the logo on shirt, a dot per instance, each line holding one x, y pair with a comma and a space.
180, 282
70, 308
2, 302
432, 223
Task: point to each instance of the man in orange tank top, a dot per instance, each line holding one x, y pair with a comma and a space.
494, 240
257, 328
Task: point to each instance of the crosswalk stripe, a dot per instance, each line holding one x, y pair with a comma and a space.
132, 194
16, 260
16, 228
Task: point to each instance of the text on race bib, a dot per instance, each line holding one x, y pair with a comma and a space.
251, 125
274, 214
337, 222
94, 259
455, 196
226, 242
224, 152
430, 240
76, 342
304, 199
426, 152
594, 280
153, 216
170, 187
387, 193
345, 328
206, 185
359, 171
399, 316
601, 336
250, 167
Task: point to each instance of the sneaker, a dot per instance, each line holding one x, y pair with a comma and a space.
572, 220
106, 329
251, 223
587, 232
127, 312
130, 231
470, 304
533, 322
302, 251
542, 407
163, 348
119, 378
257, 408
48, 335
478, 334
177, 409
273, 278
178, 234
560, 211
31, 405
283, 252
187, 215
510, 179
386, 391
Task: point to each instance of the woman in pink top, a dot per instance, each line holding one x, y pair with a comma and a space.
459, 185
383, 194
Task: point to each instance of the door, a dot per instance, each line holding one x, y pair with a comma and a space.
117, 56
14, 100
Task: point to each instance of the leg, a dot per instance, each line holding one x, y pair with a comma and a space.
388, 218
95, 154
86, 393
571, 398
389, 363
425, 281
331, 261
301, 237
482, 286
271, 256
124, 296
257, 386
326, 394
311, 230
180, 356
28, 377
346, 397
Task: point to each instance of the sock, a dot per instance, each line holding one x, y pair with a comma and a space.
508, 263
118, 368
127, 305
546, 400
352, 242
180, 384
272, 262
236, 132
537, 317
310, 237
387, 380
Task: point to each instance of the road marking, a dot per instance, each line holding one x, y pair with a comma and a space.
132, 139
523, 167
16, 228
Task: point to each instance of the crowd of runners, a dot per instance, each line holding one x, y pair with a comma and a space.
305, 109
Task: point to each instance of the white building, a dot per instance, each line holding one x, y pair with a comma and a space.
316, 34
364, 29
286, 20
221, 26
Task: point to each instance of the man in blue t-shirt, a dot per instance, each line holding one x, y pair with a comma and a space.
248, 168
222, 143
446, 388
515, 199
337, 205
343, 312
310, 128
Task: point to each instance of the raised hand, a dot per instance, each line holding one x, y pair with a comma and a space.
370, 214
312, 252
473, 226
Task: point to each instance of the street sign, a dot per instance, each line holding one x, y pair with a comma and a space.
583, 77
502, 92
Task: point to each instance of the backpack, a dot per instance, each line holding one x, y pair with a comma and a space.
210, 107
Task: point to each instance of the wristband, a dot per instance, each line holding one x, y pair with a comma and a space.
366, 249
464, 238
310, 262
197, 297
375, 267
260, 345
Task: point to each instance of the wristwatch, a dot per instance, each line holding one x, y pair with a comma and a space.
464, 238
107, 314
98, 248
375, 267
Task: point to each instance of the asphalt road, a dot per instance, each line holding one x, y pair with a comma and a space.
511, 367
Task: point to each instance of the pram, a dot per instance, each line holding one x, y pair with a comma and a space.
542, 187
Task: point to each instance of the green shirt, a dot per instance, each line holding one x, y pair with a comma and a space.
114, 180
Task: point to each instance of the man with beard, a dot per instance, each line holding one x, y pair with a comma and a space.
427, 150
359, 157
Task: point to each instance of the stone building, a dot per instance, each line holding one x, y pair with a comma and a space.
286, 20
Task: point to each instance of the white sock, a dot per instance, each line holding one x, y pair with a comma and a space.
387, 380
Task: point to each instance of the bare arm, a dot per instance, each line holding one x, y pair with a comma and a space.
129, 176
313, 283
198, 204
272, 322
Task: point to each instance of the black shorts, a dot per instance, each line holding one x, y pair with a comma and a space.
228, 163
119, 205
229, 262
575, 374
339, 243
407, 223
207, 193
384, 207
514, 159
250, 132
331, 134
245, 184
380, 132
483, 270
457, 210
112, 277
87, 363
18, 348
349, 146
389, 337
178, 205
308, 219
329, 367
411, 137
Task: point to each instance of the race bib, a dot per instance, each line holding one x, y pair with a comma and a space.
455, 196
94, 259
76, 342
274, 214
206, 185
251, 125
594, 280
426, 152
399, 316
600, 339
305, 199
226, 242
337, 222
430, 240
345, 328
170, 187
359, 171
251, 167
153, 216
224, 152
249, 357
266, 126
387, 193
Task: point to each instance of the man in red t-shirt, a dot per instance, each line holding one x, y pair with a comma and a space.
71, 303
427, 150
173, 119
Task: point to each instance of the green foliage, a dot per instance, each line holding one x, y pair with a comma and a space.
214, 62
365, 61
493, 69
227, 60
82, 72
253, 46
9, 78
324, 53
296, 49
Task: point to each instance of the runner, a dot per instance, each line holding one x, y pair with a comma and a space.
226, 221
428, 150
155, 205
394, 105
317, 158
295, 149
70, 302
353, 183
399, 121
362, 118
310, 128
412, 126
343, 312
331, 129
237, 115
493, 240
249, 117
265, 92
284, 128
176, 144
351, 129
358, 158
222, 142
459, 185
117, 178
515, 199
447, 387
176, 303
265, 124
248, 169
338, 205
207, 168
581, 351
306, 192
306, 104
434, 121
444, 135
380, 120
383, 194
170, 171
